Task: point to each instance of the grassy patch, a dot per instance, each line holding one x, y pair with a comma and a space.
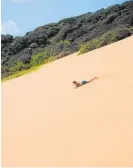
16, 67
24, 72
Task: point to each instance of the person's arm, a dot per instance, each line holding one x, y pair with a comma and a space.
78, 85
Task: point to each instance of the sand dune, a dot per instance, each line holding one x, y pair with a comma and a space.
45, 122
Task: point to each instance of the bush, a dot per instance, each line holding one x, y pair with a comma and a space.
19, 66
38, 58
110, 18
107, 38
41, 58
19, 69
59, 47
131, 30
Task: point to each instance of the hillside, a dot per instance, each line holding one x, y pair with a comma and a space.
65, 37
46, 122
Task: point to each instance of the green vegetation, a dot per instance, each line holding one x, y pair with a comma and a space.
107, 38
90, 31
131, 29
49, 53
19, 72
60, 47
19, 66
38, 59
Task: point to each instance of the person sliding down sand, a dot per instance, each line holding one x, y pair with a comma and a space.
77, 84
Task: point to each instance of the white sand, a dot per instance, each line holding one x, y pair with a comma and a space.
45, 122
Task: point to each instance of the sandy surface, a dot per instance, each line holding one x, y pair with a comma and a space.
45, 122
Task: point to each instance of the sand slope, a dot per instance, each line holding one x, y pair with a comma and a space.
47, 122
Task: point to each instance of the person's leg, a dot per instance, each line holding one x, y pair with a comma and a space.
92, 79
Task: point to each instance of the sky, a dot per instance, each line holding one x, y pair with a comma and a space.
21, 16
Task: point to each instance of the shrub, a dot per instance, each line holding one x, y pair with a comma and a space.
38, 58
110, 18
19, 66
131, 30
59, 47
41, 58
11, 75
107, 38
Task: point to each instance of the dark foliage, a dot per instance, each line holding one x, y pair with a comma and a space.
105, 39
55, 37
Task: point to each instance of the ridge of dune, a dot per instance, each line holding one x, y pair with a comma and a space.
45, 122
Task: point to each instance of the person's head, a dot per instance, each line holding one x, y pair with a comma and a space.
74, 82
